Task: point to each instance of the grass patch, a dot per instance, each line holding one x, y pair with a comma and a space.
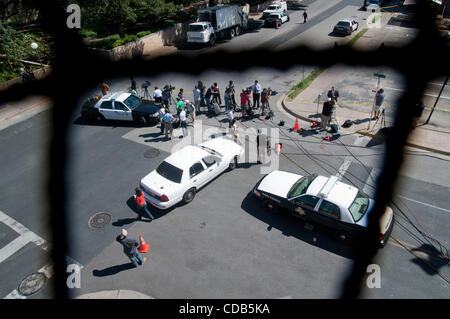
356, 37
299, 87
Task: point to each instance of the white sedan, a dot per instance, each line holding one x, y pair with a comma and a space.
182, 174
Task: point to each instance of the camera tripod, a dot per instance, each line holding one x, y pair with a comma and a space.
383, 120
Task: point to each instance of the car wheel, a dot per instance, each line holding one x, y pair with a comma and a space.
232, 33
142, 120
99, 118
238, 30
212, 41
232, 164
288, 19
189, 196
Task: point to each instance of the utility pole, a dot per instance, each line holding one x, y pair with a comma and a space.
437, 99
379, 75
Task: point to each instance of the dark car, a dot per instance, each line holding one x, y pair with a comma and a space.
121, 106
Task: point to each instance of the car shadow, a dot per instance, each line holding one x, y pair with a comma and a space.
112, 270
337, 35
291, 226
82, 121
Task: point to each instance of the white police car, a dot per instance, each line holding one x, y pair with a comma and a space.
183, 173
121, 106
325, 201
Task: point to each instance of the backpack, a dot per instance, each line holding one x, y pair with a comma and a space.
334, 128
347, 123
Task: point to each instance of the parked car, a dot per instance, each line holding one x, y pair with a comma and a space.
274, 18
373, 5
346, 26
325, 201
182, 174
121, 106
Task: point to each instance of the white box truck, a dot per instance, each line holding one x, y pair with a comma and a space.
217, 22
275, 7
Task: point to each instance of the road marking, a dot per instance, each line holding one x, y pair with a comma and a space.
432, 95
370, 184
26, 236
425, 204
348, 159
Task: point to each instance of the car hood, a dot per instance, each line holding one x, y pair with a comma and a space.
154, 184
385, 220
224, 146
278, 183
146, 108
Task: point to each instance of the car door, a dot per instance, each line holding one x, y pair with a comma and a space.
304, 205
106, 109
122, 112
354, 25
329, 215
214, 166
198, 175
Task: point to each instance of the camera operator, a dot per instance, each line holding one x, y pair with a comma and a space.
265, 95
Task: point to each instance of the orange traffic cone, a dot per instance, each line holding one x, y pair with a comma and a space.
296, 126
278, 148
276, 24
143, 247
314, 124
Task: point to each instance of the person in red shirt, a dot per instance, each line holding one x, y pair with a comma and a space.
142, 204
245, 96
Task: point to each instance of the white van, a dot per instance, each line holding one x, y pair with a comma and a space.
275, 7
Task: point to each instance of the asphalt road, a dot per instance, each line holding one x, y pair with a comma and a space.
223, 244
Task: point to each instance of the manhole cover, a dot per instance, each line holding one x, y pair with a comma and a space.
99, 220
32, 283
151, 153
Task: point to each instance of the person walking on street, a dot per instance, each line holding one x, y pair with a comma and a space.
165, 96
130, 246
133, 86
262, 146
264, 101
333, 94
230, 115
167, 120
104, 88
145, 86
227, 98
183, 123
305, 16
141, 203
190, 110
379, 98
181, 94
180, 103
233, 125
256, 89
326, 113
162, 111
232, 93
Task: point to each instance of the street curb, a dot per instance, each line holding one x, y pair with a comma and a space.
114, 294
293, 113
429, 149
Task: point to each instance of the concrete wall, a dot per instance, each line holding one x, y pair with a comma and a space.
38, 74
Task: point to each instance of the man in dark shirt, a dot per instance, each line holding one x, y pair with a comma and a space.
130, 246
333, 94
326, 113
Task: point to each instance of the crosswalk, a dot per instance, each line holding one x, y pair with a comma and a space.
25, 237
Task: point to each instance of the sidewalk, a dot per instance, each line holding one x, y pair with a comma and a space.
307, 107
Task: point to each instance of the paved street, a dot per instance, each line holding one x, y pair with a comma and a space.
224, 244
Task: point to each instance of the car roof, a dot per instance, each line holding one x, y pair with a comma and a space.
185, 157
333, 190
117, 96
345, 20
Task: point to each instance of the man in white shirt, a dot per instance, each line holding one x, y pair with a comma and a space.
162, 111
183, 124
157, 95
197, 99
256, 89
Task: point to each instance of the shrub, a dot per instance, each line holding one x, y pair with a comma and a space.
105, 43
143, 33
126, 39
85, 33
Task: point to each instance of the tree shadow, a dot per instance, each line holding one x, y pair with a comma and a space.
112, 270
435, 259
291, 226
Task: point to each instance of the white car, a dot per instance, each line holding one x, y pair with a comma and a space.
182, 174
279, 18
325, 201
280, 6
346, 26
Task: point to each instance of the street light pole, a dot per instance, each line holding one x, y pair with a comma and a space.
437, 99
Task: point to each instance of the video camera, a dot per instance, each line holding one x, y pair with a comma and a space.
248, 90
169, 87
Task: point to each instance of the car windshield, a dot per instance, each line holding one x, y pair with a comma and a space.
374, 2
359, 206
132, 101
272, 7
195, 28
301, 186
170, 172
344, 23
